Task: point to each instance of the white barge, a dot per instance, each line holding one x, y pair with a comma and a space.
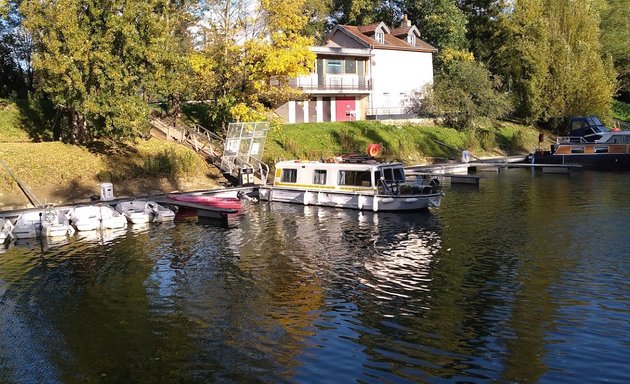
356, 182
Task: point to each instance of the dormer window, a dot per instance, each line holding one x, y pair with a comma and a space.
411, 39
380, 37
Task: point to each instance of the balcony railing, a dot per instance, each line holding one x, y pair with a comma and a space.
335, 84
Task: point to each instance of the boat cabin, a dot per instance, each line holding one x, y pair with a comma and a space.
349, 177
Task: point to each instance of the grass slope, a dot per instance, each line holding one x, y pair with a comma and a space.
60, 172
407, 143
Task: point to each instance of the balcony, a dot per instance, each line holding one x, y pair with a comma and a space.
333, 84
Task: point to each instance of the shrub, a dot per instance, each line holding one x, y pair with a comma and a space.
463, 92
170, 162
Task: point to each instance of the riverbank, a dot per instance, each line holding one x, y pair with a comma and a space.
60, 173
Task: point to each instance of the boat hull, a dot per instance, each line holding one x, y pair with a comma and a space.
604, 161
365, 202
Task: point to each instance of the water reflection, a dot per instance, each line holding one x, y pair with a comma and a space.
496, 277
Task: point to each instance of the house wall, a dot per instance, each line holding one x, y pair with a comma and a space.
396, 74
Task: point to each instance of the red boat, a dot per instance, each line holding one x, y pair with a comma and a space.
226, 204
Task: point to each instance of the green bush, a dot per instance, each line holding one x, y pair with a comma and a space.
621, 110
170, 162
487, 139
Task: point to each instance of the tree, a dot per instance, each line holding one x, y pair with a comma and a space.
100, 62
249, 53
441, 23
553, 60
363, 12
615, 39
482, 27
16, 75
462, 93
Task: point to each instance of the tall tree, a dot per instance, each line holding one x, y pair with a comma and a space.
250, 52
482, 26
441, 22
101, 61
16, 74
363, 12
553, 59
616, 39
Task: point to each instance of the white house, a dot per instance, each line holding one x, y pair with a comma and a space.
364, 72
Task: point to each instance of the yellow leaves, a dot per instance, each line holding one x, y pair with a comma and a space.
449, 55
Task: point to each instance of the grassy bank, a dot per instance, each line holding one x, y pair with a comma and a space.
410, 144
59, 172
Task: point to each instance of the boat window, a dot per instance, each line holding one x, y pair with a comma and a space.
319, 176
289, 175
601, 149
577, 149
388, 173
399, 174
357, 178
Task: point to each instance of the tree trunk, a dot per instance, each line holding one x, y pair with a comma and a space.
78, 130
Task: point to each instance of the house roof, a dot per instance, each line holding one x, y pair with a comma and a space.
395, 38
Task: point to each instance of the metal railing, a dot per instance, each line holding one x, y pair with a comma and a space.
196, 137
334, 84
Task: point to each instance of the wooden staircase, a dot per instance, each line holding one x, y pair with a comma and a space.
206, 143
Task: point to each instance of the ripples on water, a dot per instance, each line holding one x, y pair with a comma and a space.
524, 279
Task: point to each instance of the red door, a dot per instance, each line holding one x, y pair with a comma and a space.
346, 108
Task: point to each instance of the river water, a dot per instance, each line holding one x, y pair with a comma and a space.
524, 279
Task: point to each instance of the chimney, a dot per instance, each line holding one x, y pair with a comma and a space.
405, 23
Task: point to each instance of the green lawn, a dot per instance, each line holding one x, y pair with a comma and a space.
404, 142
11, 129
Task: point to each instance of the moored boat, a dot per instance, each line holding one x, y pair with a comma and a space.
141, 211
210, 202
355, 182
6, 229
93, 217
589, 144
45, 222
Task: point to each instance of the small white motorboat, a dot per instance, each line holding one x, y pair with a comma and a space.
141, 211
6, 229
85, 217
93, 217
46, 222
111, 218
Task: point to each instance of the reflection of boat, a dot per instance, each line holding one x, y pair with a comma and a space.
6, 228
92, 217
590, 144
46, 222
102, 236
140, 211
356, 182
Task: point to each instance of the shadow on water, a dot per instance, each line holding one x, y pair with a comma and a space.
499, 284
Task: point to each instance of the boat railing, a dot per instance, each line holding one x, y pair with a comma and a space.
570, 140
416, 186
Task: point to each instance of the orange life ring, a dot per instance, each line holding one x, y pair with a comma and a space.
373, 150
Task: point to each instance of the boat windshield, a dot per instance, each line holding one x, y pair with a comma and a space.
393, 174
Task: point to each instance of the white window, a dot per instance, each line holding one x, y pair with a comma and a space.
411, 39
380, 37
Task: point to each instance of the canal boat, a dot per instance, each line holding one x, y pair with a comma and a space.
354, 181
45, 222
6, 228
590, 144
141, 211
